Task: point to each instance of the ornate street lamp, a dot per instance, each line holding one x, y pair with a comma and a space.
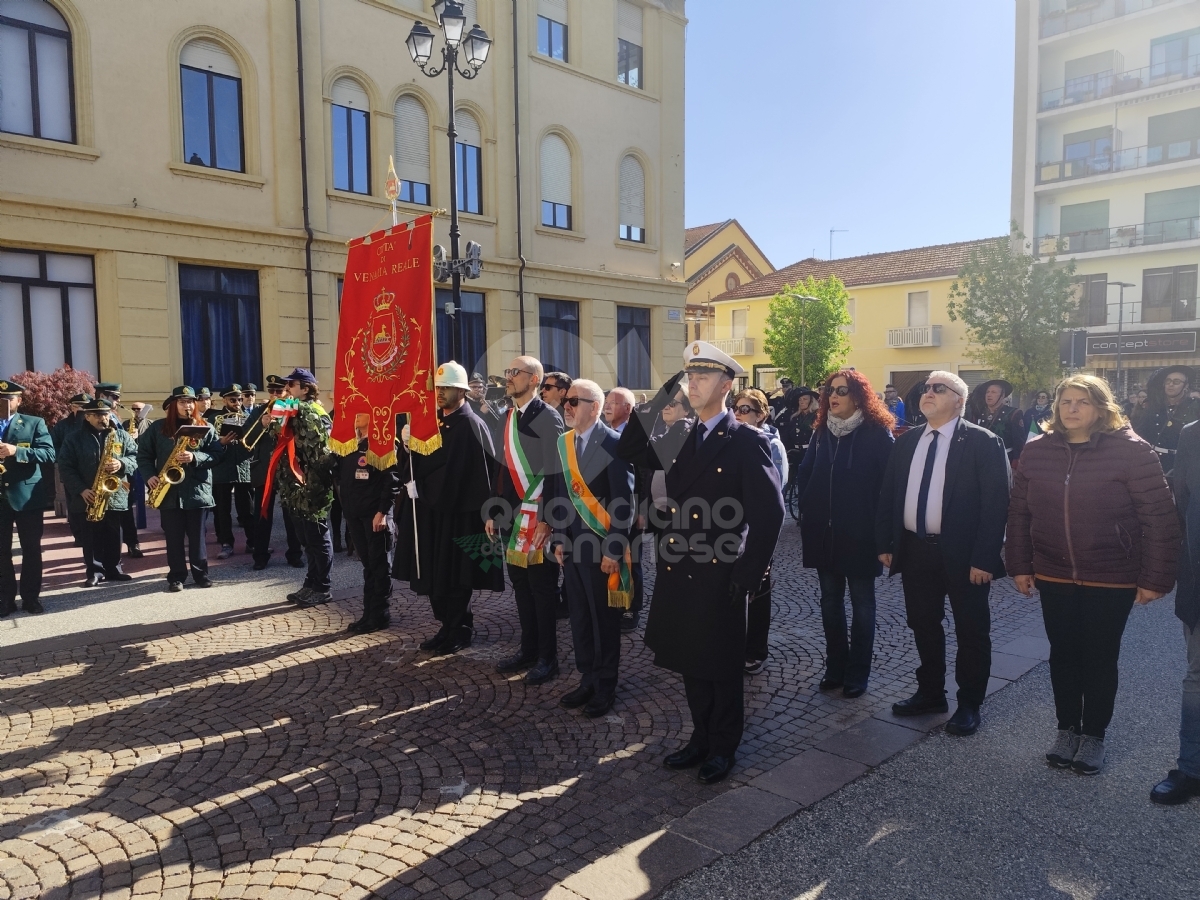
474, 47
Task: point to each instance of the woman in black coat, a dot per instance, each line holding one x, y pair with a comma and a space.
838, 484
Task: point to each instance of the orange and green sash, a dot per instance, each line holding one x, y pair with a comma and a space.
593, 514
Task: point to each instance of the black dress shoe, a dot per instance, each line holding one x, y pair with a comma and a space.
117, 576
174, 587
357, 626
459, 639
716, 769
8, 606
830, 684
260, 562
545, 670
295, 562
920, 705
1176, 788
378, 623
965, 721
599, 705
577, 697
94, 580
629, 621
33, 607
135, 552
435, 642
202, 580
516, 663
687, 758
854, 690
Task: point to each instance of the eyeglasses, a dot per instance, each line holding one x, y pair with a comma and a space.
575, 401
1175, 381
552, 386
746, 410
513, 373
938, 389
842, 391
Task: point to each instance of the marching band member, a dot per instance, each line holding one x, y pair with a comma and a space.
249, 398
726, 509
203, 402
111, 391
591, 509
25, 446
78, 463
257, 445
452, 484
231, 475
184, 509
529, 453
58, 434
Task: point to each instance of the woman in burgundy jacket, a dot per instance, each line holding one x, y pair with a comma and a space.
1091, 524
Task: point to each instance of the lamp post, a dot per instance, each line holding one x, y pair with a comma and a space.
1120, 325
474, 45
803, 298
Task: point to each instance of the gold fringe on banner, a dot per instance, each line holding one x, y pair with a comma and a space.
425, 447
345, 448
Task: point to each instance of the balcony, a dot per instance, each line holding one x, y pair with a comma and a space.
1113, 84
1061, 16
1118, 161
1120, 238
736, 346
916, 336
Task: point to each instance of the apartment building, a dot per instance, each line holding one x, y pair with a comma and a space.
1106, 168
152, 194
717, 258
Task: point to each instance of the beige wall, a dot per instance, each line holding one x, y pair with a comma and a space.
124, 195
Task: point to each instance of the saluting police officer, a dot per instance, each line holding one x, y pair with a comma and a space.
78, 463
25, 445
714, 546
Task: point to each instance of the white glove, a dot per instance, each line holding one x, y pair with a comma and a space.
411, 487
405, 434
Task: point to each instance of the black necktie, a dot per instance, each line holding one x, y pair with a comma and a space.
579, 448
700, 429
926, 478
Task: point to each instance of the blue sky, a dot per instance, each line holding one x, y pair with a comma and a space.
890, 118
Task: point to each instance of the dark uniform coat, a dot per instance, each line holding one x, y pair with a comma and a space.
454, 484
195, 491
24, 472
80, 457
695, 627
231, 467
363, 489
1161, 427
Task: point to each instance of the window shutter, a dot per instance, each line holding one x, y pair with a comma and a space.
467, 128
629, 22
556, 170
471, 11
412, 140
209, 56
553, 9
348, 92
633, 193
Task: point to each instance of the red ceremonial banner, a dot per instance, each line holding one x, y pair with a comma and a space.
386, 342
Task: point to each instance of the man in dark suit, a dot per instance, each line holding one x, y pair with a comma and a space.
528, 454
590, 507
942, 511
713, 542
25, 446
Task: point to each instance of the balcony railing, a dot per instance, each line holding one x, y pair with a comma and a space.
736, 346
1122, 236
1061, 16
916, 336
1112, 84
1118, 161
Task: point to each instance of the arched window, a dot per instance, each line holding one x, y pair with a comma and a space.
350, 120
211, 85
732, 282
633, 200
556, 182
412, 150
36, 78
470, 162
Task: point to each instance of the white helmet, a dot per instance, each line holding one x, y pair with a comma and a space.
451, 374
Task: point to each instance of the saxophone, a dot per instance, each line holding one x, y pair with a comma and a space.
172, 471
104, 485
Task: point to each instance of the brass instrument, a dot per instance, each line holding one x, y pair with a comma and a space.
172, 471
3, 469
105, 484
262, 423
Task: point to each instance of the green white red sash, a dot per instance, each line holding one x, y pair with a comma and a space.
521, 551
593, 514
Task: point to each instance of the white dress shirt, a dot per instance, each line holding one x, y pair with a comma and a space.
933, 509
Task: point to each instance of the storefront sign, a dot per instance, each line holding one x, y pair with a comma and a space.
1143, 342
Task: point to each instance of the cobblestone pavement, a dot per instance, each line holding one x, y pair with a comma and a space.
269, 754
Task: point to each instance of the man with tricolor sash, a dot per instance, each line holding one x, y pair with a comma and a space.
590, 506
530, 432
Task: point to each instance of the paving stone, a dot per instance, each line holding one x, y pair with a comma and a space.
809, 777
641, 868
869, 742
732, 820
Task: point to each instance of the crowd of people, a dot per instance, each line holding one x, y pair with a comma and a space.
557, 483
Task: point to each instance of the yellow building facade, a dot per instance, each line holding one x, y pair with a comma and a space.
152, 192
900, 330
717, 258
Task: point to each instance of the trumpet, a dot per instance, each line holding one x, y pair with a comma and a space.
104, 485
262, 423
172, 471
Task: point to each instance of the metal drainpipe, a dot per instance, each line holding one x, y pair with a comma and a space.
517, 130
308, 274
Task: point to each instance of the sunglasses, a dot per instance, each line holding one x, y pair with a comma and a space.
938, 389
745, 410
672, 404
842, 391
513, 373
551, 386
575, 401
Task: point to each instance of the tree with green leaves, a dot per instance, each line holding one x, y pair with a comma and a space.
1014, 306
806, 329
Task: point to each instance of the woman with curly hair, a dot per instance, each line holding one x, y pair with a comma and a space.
838, 484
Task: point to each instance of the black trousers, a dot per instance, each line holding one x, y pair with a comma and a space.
75, 521
29, 533
536, 590
595, 626
1084, 625
453, 608
758, 621
318, 549
226, 497
373, 553
718, 714
264, 526
127, 522
102, 543
192, 525
927, 583
635, 547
